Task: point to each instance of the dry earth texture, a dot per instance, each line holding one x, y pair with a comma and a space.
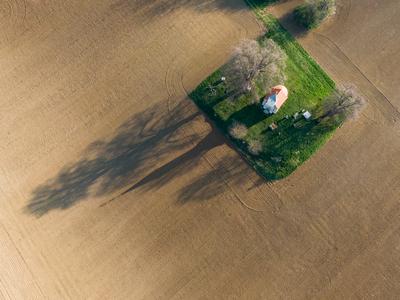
113, 185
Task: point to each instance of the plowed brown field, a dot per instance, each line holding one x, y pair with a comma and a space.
113, 185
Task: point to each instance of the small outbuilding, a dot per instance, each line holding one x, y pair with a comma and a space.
275, 99
273, 126
307, 115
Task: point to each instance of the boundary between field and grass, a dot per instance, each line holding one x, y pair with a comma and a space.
296, 140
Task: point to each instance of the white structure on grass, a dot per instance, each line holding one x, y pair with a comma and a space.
275, 99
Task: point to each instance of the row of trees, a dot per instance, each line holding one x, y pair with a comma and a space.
239, 131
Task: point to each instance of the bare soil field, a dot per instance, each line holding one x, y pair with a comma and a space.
113, 185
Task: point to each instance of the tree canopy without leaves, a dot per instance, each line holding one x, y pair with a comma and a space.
238, 130
344, 104
255, 67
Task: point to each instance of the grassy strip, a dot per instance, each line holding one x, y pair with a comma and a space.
294, 141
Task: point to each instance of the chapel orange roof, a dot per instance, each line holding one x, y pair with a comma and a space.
281, 93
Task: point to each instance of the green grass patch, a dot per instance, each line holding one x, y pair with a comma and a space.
287, 147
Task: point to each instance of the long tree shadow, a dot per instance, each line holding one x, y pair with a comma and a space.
179, 165
108, 165
229, 171
205, 185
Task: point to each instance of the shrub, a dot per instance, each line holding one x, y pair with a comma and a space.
238, 130
313, 12
255, 147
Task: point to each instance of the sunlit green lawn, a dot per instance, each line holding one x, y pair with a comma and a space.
291, 144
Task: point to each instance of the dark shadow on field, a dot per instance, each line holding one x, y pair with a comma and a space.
108, 165
227, 173
179, 165
203, 186
140, 144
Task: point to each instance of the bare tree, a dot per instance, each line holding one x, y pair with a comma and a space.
238, 130
255, 67
255, 147
344, 104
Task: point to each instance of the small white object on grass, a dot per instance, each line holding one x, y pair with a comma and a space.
307, 115
223, 78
